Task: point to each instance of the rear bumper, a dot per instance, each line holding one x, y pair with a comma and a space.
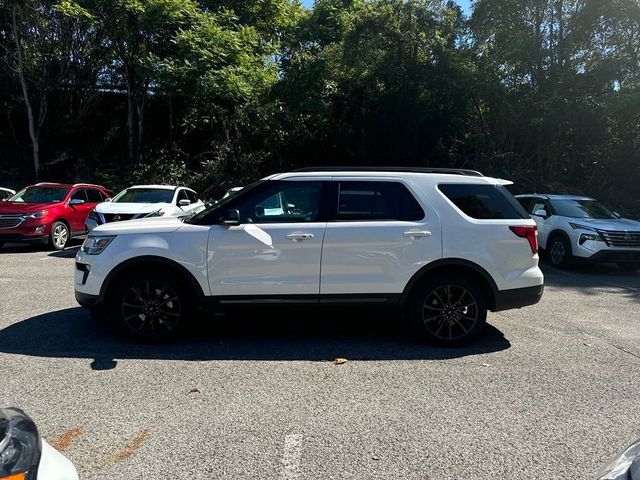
518, 297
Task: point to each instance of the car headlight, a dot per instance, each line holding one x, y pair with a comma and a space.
95, 245
157, 213
20, 445
624, 466
590, 236
40, 214
577, 226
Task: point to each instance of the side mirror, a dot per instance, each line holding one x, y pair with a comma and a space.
540, 213
231, 217
76, 201
184, 203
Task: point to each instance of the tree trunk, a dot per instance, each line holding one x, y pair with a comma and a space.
33, 133
131, 123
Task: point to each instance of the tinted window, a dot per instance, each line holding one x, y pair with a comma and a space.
192, 196
582, 209
40, 195
94, 196
79, 195
144, 195
538, 204
182, 195
484, 201
377, 201
282, 202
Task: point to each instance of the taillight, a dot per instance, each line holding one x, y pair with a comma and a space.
530, 232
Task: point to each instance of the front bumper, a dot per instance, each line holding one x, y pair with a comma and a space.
21, 238
616, 256
517, 297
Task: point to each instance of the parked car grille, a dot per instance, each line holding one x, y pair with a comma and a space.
10, 221
116, 217
621, 239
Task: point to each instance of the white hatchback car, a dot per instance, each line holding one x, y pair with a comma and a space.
573, 227
446, 245
143, 201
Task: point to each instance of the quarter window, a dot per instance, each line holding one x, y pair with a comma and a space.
361, 201
484, 201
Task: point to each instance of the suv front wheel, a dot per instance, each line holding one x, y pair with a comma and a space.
448, 310
150, 308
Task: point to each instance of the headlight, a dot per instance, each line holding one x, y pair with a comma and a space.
577, 226
623, 466
20, 445
40, 214
157, 213
589, 236
95, 245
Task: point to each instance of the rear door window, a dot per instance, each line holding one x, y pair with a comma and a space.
377, 201
484, 202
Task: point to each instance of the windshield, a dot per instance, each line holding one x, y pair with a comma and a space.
40, 195
582, 209
144, 195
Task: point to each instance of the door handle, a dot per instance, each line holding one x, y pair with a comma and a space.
417, 233
300, 236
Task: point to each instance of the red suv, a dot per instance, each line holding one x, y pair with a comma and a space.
51, 213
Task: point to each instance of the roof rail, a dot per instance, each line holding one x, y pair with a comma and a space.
451, 171
48, 183
85, 185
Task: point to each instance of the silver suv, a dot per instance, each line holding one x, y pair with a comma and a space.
572, 227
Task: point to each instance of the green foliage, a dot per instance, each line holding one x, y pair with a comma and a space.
218, 93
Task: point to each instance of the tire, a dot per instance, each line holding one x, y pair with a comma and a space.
150, 307
629, 267
559, 252
59, 236
449, 310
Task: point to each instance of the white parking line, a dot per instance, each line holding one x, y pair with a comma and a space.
291, 457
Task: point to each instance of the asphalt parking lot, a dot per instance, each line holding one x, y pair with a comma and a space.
549, 392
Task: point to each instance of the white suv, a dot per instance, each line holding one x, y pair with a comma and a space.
573, 227
446, 245
143, 201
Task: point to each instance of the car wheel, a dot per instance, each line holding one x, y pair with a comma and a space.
559, 252
629, 267
448, 310
59, 236
150, 308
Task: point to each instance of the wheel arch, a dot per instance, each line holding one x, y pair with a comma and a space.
453, 266
557, 232
150, 262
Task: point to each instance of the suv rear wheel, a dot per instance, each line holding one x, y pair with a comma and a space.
150, 307
448, 310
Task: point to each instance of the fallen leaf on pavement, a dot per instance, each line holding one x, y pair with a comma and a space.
340, 361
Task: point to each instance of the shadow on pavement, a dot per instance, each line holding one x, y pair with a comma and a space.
593, 279
253, 335
69, 252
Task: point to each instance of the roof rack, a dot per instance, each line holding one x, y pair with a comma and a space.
48, 183
451, 171
85, 185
